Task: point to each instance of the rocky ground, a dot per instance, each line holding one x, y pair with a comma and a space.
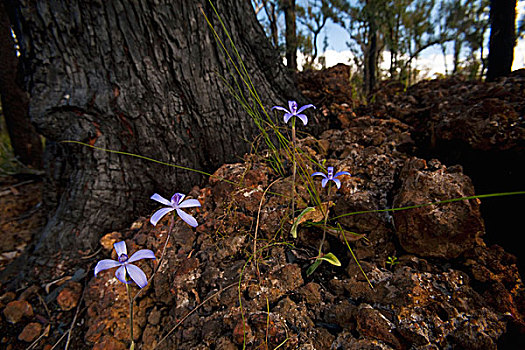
437, 284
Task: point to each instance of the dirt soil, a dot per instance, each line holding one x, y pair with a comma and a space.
426, 277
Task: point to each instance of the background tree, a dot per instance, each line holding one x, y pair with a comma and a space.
419, 27
464, 23
270, 18
502, 38
364, 20
25, 141
521, 26
313, 16
288, 7
395, 36
143, 77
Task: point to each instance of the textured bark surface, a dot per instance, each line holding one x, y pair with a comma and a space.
140, 77
288, 7
502, 38
25, 141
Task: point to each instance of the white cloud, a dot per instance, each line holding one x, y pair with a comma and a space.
332, 58
519, 55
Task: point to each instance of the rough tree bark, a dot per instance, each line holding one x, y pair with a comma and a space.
502, 38
25, 141
288, 7
141, 77
371, 58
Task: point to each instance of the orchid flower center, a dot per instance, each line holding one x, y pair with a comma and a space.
175, 200
122, 258
294, 107
330, 172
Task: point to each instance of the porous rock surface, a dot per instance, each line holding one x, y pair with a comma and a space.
447, 289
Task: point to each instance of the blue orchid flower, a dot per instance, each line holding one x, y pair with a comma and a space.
135, 273
294, 112
177, 202
331, 176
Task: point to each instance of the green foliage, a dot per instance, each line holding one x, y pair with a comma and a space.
7, 159
392, 260
404, 29
311, 269
465, 23
331, 258
9, 164
298, 220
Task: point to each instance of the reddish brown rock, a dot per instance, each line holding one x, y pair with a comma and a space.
69, 296
207, 272
225, 344
372, 323
94, 331
242, 333
6, 298
16, 310
109, 239
30, 332
311, 293
150, 337
441, 230
109, 343
327, 86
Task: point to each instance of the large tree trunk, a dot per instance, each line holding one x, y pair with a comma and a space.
25, 141
142, 77
290, 34
502, 38
371, 59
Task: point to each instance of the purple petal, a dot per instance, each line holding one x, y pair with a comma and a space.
190, 203
177, 198
337, 182
341, 173
105, 264
318, 173
280, 108
305, 107
159, 214
142, 254
137, 275
120, 248
121, 274
157, 197
324, 182
303, 118
190, 220
293, 107
287, 117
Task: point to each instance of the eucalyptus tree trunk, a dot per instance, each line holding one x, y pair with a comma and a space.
141, 77
502, 38
288, 7
371, 58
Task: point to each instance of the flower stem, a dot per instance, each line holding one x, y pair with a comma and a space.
161, 257
132, 346
325, 219
294, 168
